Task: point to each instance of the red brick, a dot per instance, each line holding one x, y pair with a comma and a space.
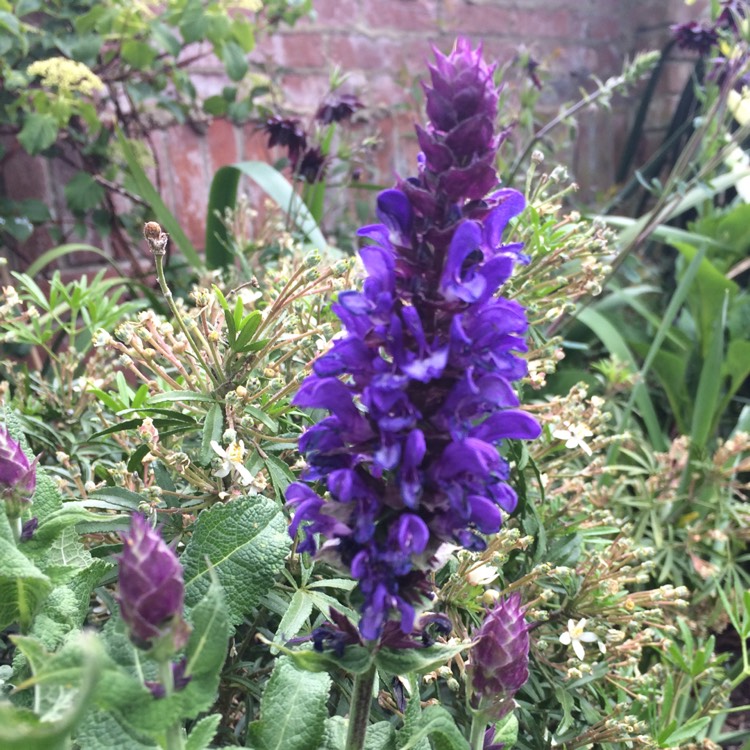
506, 19
186, 166
401, 15
376, 54
221, 139
297, 50
333, 14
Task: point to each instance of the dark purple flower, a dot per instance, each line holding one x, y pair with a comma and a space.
17, 475
312, 165
531, 67
151, 589
499, 660
409, 452
287, 132
28, 529
695, 37
337, 108
179, 680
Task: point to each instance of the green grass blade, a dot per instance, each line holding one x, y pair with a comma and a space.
223, 195
613, 340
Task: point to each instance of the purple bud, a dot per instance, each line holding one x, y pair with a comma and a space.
28, 529
499, 662
17, 475
179, 680
151, 589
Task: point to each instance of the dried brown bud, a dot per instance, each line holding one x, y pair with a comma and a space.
157, 240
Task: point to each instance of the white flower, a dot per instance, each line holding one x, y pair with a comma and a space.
574, 437
233, 458
482, 575
576, 636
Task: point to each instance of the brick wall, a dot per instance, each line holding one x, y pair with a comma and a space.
383, 45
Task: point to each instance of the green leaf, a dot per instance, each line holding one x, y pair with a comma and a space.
21, 729
294, 618
506, 731
233, 57
173, 396
38, 133
203, 732
293, 710
421, 660
138, 54
83, 193
245, 543
72, 514
685, 732
212, 429
437, 724
223, 195
355, 660
23, 587
215, 105
281, 475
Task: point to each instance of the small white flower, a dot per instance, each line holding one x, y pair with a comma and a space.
482, 575
576, 636
574, 436
233, 458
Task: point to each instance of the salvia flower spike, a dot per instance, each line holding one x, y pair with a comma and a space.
418, 391
499, 660
151, 590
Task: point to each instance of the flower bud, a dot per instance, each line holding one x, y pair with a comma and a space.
499, 661
152, 591
17, 475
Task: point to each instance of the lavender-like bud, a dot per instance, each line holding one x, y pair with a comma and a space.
499, 662
152, 590
17, 475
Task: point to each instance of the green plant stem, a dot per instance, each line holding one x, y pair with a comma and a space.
478, 728
174, 735
17, 526
167, 292
359, 713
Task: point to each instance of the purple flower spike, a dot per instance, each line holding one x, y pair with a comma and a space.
17, 475
151, 590
409, 452
499, 661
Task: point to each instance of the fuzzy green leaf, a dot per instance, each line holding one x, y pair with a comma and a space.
437, 724
293, 710
23, 587
420, 660
203, 732
245, 542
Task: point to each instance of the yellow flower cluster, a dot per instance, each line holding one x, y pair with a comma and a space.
67, 76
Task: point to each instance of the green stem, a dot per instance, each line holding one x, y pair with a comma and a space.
17, 527
167, 292
359, 712
478, 728
175, 736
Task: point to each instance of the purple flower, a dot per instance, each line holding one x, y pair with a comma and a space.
337, 108
499, 661
179, 680
288, 132
151, 589
419, 390
695, 37
312, 165
17, 475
